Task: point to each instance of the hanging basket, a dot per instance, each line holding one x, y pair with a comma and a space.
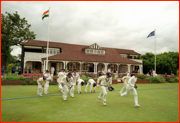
112, 65
74, 64
88, 65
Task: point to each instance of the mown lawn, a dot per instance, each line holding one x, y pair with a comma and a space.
159, 103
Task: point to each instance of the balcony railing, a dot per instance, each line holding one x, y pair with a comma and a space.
36, 55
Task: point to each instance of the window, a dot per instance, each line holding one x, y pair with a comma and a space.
125, 56
91, 51
53, 51
87, 51
94, 51
102, 52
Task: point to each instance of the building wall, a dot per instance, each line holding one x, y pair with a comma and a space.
28, 64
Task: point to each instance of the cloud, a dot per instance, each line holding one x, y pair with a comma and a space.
116, 24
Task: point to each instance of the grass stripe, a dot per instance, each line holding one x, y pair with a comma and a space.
77, 93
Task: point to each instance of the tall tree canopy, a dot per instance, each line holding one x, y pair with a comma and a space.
14, 30
165, 62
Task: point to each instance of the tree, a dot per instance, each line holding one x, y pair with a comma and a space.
14, 31
165, 62
19, 56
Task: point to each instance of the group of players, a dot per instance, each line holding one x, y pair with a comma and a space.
69, 80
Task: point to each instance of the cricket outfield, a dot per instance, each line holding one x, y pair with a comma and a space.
159, 103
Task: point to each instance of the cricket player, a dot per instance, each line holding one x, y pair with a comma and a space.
59, 80
49, 78
76, 77
80, 83
91, 82
105, 81
41, 82
67, 82
52, 70
130, 87
125, 80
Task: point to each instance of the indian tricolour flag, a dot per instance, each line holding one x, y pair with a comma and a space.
45, 14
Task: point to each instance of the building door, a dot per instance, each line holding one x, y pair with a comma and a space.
54, 65
136, 68
36, 66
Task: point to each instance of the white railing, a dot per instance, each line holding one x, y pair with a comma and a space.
32, 55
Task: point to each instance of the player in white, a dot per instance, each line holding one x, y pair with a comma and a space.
128, 74
60, 75
41, 82
67, 81
105, 81
49, 78
52, 70
92, 83
130, 87
80, 83
75, 76
125, 80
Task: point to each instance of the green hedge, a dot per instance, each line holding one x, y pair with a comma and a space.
13, 78
12, 74
172, 80
157, 79
32, 82
141, 76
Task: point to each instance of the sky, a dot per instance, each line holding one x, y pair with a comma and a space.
115, 24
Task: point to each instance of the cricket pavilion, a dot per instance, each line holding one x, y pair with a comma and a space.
84, 58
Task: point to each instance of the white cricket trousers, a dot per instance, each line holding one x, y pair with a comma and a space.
128, 90
72, 90
66, 90
79, 88
124, 87
60, 88
46, 86
59, 84
87, 87
40, 89
103, 93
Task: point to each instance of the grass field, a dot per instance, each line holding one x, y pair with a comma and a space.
159, 103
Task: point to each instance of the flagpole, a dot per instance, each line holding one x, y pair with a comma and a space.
47, 42
155, 49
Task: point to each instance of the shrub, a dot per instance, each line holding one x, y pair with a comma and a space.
11, 78
175, 80
9, 66
31, 83
141, 76
11, 74
24, 83
168, 79
148, 77
157, 79
21, 77
53, 83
